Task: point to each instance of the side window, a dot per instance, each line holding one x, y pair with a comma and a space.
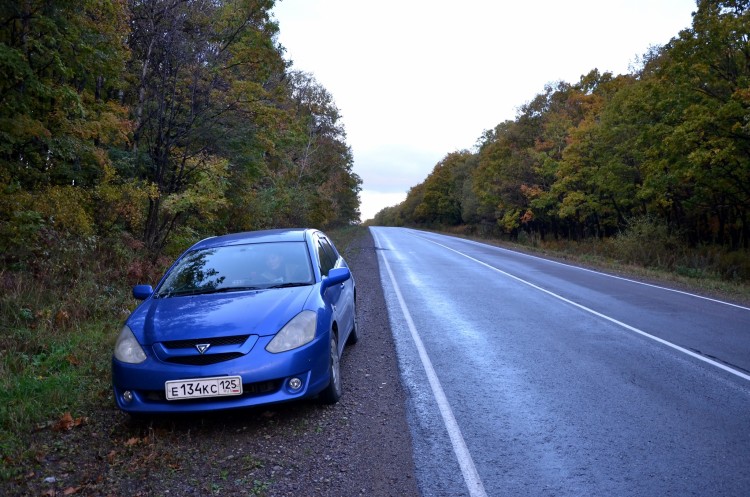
328, 246
326, 259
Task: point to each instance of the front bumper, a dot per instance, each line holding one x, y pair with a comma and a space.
265, 379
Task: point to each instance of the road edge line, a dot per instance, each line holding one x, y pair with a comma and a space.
465, 461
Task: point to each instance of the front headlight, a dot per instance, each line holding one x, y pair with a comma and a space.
296, 333
127, 348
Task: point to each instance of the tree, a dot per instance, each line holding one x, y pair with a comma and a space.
709, 81
60, 118
200, 64
443, 191
61, 64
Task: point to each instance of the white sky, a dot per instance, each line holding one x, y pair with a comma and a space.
417, 79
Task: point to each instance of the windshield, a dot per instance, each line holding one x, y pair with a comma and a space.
239, 267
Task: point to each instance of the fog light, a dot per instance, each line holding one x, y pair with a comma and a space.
295, 384
127, 396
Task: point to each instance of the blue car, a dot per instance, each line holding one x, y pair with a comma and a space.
239, 320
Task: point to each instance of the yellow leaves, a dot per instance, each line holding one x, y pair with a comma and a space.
510, 220
67, 208
23, 128
124, 202
571, 204
205, 193
106, 122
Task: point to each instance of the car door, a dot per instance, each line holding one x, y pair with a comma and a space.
347, 297
337, 295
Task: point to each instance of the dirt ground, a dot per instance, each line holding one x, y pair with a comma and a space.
360, 446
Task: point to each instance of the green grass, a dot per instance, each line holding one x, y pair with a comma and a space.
45, 373
57, 331
343, 237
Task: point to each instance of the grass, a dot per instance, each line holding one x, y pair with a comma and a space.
58, 323
343, 237
45, 373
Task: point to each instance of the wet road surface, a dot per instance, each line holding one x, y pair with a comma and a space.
531, 377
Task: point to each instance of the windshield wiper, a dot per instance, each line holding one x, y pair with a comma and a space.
289, 285
232, 289
205, 291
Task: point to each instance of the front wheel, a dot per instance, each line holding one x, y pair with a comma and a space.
332, 392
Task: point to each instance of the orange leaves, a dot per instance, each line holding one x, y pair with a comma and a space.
133, 441
62, 317
67, 423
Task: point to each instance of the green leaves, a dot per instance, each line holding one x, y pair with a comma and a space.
157, 120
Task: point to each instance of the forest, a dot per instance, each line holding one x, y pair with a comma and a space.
154, 123
659, 157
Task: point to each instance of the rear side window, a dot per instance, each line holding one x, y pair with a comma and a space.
326, 256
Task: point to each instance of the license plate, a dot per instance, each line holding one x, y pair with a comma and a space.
203, 387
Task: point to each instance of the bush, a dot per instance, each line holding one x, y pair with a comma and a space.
734, 266
648, 242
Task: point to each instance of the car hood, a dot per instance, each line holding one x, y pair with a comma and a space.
262, 312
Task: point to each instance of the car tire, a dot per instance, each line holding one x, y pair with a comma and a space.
332, 393
354, 334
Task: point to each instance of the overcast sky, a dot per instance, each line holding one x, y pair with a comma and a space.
417, 79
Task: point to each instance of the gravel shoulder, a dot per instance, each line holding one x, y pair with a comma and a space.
360, 446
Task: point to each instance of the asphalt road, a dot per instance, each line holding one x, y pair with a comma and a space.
531, 377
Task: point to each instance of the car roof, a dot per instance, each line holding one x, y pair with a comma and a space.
262, 236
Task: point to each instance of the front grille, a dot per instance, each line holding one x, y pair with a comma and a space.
189, 344
204, 359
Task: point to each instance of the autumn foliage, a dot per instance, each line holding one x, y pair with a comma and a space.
160, 121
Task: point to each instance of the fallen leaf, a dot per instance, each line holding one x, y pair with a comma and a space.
64, 423
71, 490
132, 441
61, 318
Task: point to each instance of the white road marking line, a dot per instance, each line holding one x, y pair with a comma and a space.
465, 461
603, 316
595, 272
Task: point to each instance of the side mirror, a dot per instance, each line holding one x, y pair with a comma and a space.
336, 276
142, 292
